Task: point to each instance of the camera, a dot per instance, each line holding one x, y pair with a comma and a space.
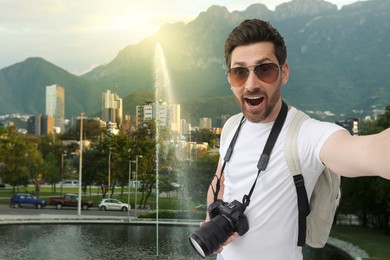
225, 218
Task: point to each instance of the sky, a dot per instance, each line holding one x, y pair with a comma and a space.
78, 35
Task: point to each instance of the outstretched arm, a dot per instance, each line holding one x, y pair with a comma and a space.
354, 156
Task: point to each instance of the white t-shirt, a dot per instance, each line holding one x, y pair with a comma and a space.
273, 211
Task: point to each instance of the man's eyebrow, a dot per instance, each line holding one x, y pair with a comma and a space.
239, 63
243, 64
263, 60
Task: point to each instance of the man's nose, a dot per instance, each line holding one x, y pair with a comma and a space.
252, 81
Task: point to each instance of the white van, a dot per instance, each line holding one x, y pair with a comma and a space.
70, 183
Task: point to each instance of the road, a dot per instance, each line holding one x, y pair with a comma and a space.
94, 211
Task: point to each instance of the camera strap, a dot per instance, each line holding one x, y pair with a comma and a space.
265, 156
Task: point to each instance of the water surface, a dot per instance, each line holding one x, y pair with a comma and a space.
109, 241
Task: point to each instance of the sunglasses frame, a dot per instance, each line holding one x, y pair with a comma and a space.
254, 69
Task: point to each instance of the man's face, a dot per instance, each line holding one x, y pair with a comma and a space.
259, 101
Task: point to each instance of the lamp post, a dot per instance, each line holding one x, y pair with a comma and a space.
136, 182
80, 164
128, 195
62, 170
109, 169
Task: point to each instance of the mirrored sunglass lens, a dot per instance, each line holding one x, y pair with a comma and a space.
267, 72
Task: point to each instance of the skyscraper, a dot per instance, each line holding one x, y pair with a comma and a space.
205, 123
55, 105
167, 115
40, 125
112, 109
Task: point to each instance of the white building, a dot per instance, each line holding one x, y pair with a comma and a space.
205, 123
112, 108
167, 115
55, 105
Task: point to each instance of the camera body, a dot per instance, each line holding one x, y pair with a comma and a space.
233, 212
225, 219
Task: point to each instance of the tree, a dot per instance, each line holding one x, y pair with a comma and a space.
20, 161
204, 135
199, 175
53, 150
145, 145
92, 130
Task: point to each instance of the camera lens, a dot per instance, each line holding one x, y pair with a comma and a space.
210, 236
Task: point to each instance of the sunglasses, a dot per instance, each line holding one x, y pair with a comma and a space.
266, 72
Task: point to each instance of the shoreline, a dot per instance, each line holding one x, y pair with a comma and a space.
83, 219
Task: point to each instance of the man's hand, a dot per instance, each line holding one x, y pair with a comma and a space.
230, 239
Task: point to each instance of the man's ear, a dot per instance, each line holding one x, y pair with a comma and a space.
285, 73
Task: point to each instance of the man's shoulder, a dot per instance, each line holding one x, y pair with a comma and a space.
233, 121
230, 124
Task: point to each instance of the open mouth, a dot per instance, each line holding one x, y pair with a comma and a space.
254, 101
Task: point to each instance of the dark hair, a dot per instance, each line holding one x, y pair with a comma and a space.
253, 31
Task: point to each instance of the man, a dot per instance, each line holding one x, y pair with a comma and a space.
256, 58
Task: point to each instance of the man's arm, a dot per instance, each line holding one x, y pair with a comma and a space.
212, 188
354, 156
210, 199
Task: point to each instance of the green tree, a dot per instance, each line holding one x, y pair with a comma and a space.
199, 175
92, 130
54, 154
20, 161
204, 135
145, 144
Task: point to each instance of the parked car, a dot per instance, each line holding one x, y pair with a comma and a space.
69, 200
113, 204
201, 207
70, 183
26, 199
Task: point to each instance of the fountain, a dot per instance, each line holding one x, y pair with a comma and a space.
162, 87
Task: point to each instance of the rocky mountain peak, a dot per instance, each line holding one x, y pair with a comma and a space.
303, 8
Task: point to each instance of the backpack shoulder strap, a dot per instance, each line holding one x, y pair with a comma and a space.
291, 146
293, 162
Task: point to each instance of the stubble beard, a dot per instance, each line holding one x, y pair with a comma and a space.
261, 115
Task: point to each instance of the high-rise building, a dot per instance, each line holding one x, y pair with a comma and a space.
185, 127
205, 123
40, 125
47, 125
112, 108
55, 105
175, 118
167, 115
34, 125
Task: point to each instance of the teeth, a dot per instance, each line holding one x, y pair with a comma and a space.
254, 101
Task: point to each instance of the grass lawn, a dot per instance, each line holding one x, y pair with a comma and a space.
375, 243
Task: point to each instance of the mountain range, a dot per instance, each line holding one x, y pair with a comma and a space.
339, 61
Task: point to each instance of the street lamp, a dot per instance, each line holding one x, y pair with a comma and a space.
128, 195
80, 164
136, 182
109, 170
62, 169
